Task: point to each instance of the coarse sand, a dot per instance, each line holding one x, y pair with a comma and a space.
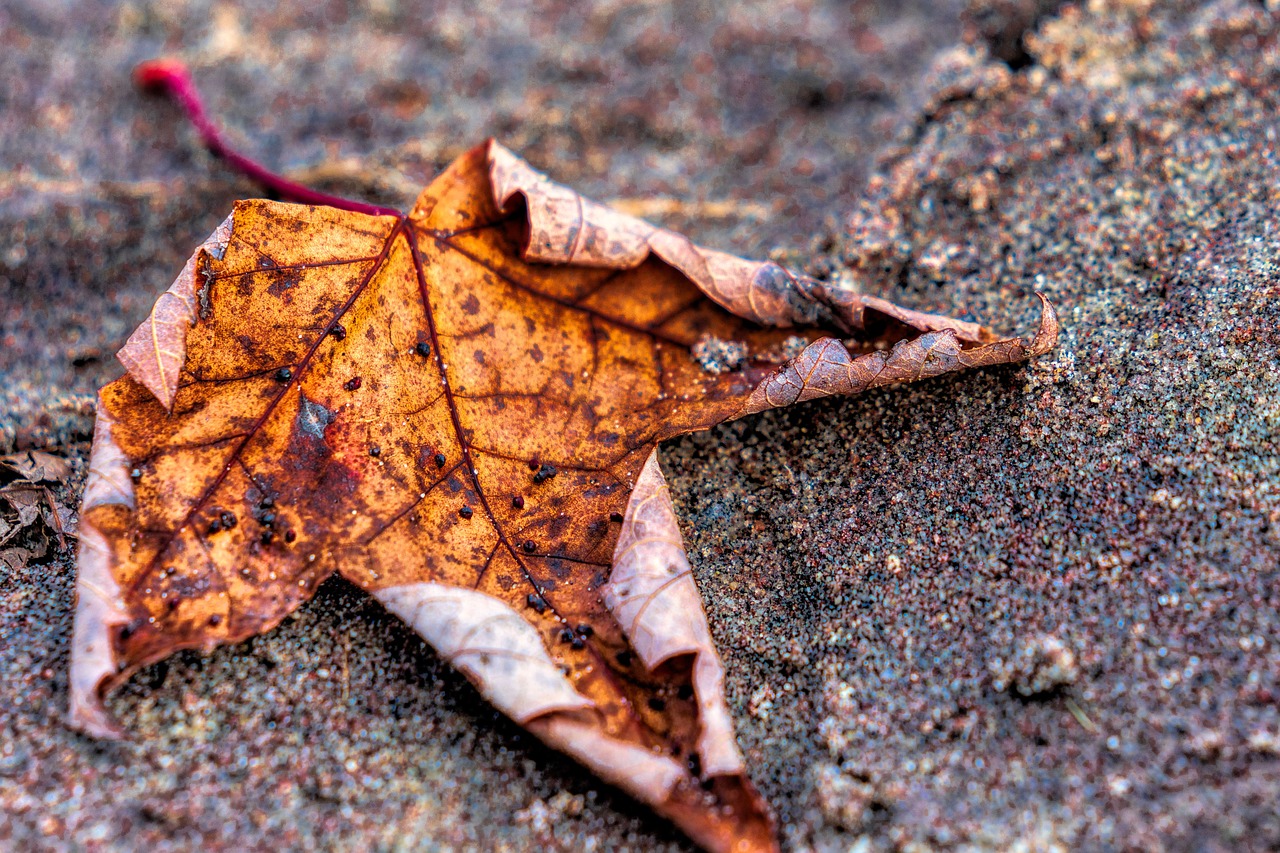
1026, 608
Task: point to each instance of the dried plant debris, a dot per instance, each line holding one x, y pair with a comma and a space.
32, 519
36, 466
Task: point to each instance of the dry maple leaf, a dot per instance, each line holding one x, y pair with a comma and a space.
458, 411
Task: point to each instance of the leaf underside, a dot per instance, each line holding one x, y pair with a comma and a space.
416, 404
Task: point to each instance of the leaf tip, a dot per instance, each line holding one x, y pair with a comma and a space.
1047, 335
90, 717
133, 362
500, 652
156, 351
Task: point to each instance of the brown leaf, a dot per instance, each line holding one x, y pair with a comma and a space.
157, 350
24, 499
37, 466
16, 558
26, 510
458, 411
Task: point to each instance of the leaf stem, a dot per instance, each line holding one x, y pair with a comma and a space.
171, 77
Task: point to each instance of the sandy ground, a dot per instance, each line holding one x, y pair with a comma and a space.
1023, 608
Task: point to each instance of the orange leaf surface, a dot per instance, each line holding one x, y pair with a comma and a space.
458, 410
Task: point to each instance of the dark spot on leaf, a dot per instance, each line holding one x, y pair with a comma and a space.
471, 305
282, 283
657, 704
